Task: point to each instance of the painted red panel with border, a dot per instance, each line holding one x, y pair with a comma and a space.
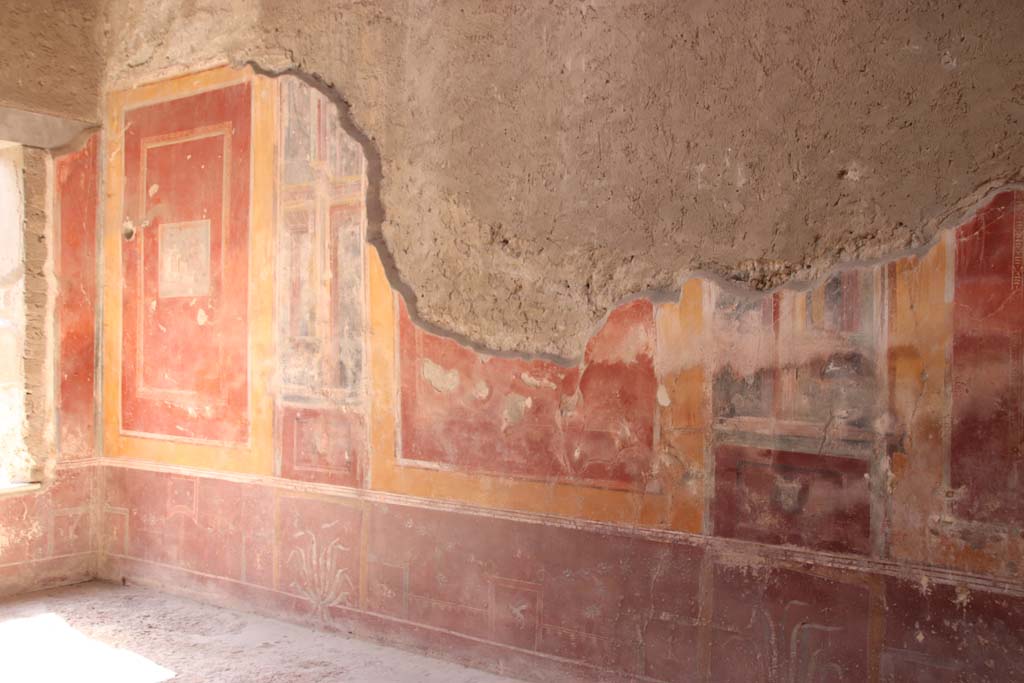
55, 521
620, 605
319, 547
614, 602
322, 444
805, 499
185, 299
987, 436
77, 194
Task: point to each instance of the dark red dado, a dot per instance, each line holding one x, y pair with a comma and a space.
552, 598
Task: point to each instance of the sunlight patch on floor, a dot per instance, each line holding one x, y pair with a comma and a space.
44, 648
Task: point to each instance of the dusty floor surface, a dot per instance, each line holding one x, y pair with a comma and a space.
104, 632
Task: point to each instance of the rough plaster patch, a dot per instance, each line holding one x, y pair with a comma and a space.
442, 380
537, 382
52, 60
516, 406
617, 165
482, 390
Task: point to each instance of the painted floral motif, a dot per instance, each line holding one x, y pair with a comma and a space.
318, 574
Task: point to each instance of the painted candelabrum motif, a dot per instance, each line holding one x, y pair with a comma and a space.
319, 577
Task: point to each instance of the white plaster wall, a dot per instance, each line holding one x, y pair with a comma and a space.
14, 458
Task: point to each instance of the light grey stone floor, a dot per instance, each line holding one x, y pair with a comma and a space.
111, 634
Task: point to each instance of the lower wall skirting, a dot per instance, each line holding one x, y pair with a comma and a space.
544, 598
744, 551
52, 572
537, 597
49, 535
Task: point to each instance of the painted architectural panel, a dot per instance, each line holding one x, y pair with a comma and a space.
77, 193
321, 229
185, 264
799, 370
320, 308
322, 444
781, 497
797, 404
591, 424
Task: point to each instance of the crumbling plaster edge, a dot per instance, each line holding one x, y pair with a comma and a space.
801, 281
275, 63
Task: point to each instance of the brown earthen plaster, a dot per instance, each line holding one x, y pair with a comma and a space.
50, 58
539, 162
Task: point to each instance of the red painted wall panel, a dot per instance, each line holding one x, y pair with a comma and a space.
533, 598
806, 499
53, 523
943, 633
322, 444
76, 194
591, 424
185, 348
987, 440
792, 626
320, 410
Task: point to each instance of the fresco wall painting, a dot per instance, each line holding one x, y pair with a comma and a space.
574, 600
791, 486
796, 400
988, 365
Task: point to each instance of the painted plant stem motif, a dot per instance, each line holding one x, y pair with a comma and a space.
320, 579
